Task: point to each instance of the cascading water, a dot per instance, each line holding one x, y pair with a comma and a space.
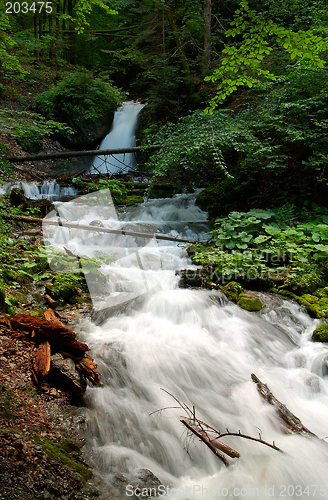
37, 190
202, 349
122, 135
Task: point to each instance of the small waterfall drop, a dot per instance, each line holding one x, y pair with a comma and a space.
38, 190
122, 135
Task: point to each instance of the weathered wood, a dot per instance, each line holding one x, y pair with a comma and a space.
52, 303
41, 360
97, 229
217, 443
94, 152
89, 369
44, 329
49, 315
292, 422
206, 441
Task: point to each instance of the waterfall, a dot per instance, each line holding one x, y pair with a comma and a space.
36, 190
201, 348
122, 135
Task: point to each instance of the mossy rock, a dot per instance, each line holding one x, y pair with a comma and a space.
232, 290
132, 200
249, 304
313, 308
320, 334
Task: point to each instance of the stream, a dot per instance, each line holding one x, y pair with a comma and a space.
151, 339
201, 348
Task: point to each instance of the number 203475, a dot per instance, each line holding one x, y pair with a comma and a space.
26, 7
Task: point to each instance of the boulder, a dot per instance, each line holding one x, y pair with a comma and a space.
64, 373
87, 134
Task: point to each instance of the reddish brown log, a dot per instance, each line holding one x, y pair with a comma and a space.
48, 330
41, 360
88, 368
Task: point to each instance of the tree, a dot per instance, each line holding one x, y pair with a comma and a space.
257, 38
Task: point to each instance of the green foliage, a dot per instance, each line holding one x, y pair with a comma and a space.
28, 126
272, 149
65, 287
242, 63
284, 243
117, 188
79, 91
8, 61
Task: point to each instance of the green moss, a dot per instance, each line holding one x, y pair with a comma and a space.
232, 290
64, 287
131, 200
64, 451
310, 298
320, 334
249, 304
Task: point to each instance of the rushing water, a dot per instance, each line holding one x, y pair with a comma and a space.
122, 135
202, 349
38, 190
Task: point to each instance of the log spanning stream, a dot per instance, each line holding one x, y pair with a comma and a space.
202, 349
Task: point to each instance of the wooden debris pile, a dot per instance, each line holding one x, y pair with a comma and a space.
53, 340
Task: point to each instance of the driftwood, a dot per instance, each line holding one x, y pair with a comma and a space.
210, 436
75, 154
88, 368
41, 360
205, 440
43, 329
51, 316
291, 422
97, 229
52, 303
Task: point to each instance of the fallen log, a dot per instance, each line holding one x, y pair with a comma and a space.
85, 363
76, 154
44, 329
97, 229
292, 423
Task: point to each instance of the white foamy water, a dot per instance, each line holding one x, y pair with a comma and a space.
202, 349
38, 190
121, 135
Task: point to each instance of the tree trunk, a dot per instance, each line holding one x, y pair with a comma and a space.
179, 45
206, 59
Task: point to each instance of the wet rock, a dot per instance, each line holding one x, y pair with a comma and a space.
320, 334
142, 484
64, 373
232, 290
191, 278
